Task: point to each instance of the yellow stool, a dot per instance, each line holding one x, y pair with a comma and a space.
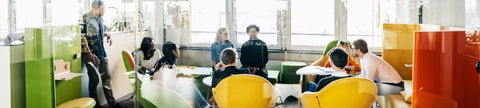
84, 102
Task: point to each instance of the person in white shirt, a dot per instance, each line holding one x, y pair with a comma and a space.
375, 68
147, 56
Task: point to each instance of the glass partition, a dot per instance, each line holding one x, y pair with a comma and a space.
3, 20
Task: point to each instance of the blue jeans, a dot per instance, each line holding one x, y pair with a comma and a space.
191, 92
311, 87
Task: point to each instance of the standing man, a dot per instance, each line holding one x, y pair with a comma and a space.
376, 69
95, 33
254, 53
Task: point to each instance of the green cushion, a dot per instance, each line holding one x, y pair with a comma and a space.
329, 46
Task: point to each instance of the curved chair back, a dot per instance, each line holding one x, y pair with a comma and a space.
160, 97
343, 93
324, 58
128, 60
244, 91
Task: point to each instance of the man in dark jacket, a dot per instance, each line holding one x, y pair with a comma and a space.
254, 53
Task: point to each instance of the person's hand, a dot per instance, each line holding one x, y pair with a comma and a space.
220, 66
92, 57
109, 39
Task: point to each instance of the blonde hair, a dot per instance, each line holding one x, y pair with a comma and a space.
345, 45
218, 38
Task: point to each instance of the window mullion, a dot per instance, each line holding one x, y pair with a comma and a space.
230, 20
341, 19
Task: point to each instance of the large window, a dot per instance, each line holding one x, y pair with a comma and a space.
262, 13
29, 13
207, 17
365, 19
312, 22
295, 24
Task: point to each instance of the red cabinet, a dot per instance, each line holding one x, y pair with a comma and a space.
445, 67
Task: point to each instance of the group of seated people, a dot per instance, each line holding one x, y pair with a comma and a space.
372, 67
150, 61
254, 56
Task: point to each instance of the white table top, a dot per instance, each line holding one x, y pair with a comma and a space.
314, 70
207, 81
196, 71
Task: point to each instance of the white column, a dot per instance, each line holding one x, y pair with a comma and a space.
5, 77
158, 29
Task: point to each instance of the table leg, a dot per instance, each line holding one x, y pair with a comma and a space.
300, 96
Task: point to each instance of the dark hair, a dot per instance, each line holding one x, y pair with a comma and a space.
361, 44
145, 47
253, 26
168, 56
228, 56
338, 57
97, 3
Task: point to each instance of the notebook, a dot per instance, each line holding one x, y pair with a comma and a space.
327, 69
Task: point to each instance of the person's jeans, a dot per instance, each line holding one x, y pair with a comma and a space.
386, 89
312, 87
191, 92
102, 66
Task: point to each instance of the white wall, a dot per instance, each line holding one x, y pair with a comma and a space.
5, 77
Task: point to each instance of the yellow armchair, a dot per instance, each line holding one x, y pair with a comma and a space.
244, 91
342, 93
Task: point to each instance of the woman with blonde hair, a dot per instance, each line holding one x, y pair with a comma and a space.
222, 41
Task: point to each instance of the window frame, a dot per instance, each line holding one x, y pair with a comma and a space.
284, 38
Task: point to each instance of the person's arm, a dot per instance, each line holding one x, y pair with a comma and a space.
265, 54
138, 61
243, 54
109, 38
327, 64
321, 61
214, 56
352, 62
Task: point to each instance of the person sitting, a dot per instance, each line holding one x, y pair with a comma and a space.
254, 53
378, 70
228, 57
147, 56
339, 59
352, 65
165, 74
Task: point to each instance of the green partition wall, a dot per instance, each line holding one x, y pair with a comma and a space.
17, 76
44, 45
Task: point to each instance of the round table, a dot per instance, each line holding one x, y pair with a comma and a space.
207, 81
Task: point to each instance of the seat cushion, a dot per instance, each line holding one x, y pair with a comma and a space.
85, 102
